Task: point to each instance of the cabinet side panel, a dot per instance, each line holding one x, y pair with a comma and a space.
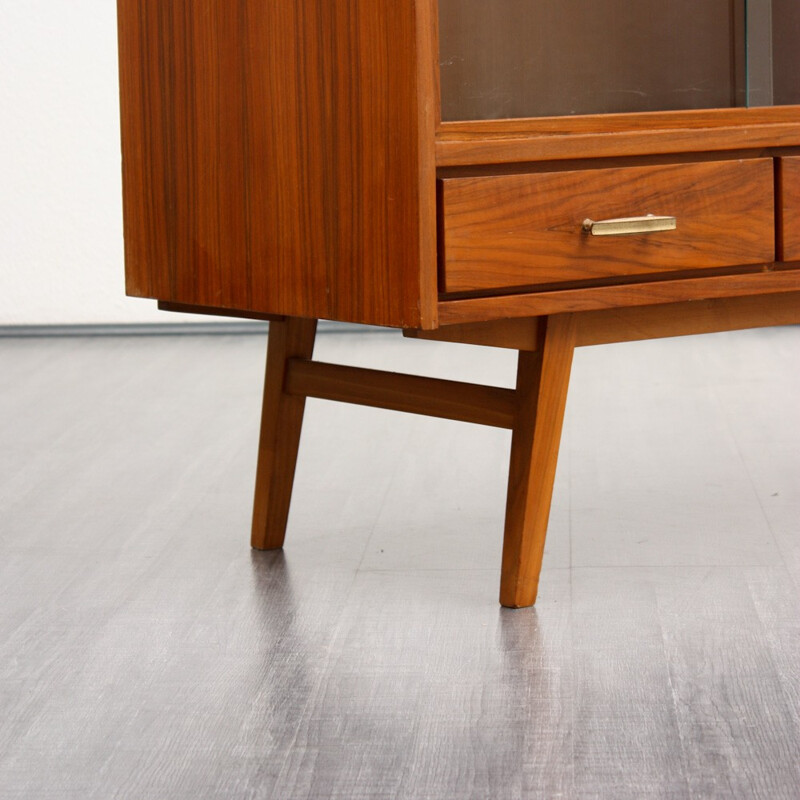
272, 156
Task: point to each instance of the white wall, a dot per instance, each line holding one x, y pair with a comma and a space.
60, 194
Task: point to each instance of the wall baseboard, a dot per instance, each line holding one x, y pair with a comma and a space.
168, 329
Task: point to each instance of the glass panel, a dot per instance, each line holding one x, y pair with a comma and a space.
528, 58
759, 52
773, 52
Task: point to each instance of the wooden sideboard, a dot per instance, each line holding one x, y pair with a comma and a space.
292, 162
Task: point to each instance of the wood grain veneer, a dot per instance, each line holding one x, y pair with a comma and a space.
689, 318
788, 210
613, 135
215, 311
481, 309
521, 333
279, 440
517, 230
542, 384
433, 397
278, 157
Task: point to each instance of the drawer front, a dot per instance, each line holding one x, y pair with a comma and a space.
522, 230
789, 209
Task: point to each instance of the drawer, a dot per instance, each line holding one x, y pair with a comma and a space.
505, 231
789, 209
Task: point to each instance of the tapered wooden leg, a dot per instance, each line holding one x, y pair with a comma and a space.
281, 422
542, 382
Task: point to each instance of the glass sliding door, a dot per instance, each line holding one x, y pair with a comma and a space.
773, 52
532, 58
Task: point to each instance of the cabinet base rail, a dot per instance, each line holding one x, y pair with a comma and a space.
533, 410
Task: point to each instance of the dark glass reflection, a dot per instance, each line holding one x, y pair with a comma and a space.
530, 58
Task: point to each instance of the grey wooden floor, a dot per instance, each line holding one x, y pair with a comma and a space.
145, 652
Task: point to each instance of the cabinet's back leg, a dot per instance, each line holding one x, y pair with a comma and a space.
281, 422
542, 382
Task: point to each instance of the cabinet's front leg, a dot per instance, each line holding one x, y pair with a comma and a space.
542, 382
281, 422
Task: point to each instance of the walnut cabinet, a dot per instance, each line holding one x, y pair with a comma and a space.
532, 174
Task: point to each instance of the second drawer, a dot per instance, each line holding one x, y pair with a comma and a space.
519, 230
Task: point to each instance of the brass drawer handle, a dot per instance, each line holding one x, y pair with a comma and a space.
626, 226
